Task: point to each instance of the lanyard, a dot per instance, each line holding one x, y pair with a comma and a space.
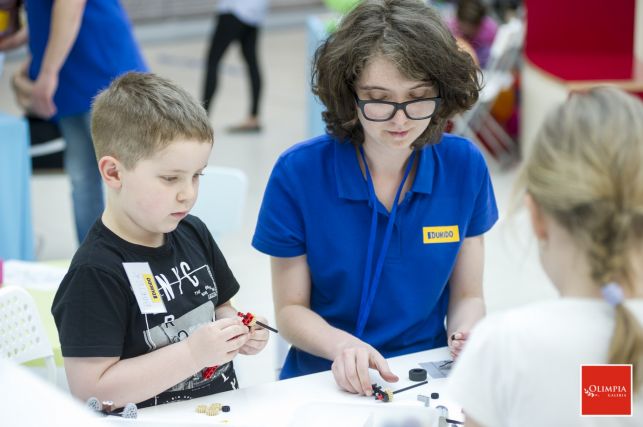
370, 283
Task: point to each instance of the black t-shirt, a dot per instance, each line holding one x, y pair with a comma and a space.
97, 314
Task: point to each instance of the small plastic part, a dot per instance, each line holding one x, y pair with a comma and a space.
417, 374
211, 412
379, 393
201, 409
108, 406
210, 371
425, 399
130, 411
225, 408
435, 395
94, 403
443, 410
248, 318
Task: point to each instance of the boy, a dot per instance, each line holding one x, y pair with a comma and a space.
135, 311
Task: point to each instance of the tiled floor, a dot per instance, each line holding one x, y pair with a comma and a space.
512, 274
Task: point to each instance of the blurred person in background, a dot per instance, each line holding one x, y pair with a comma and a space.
76, 48
237, 21
472, 23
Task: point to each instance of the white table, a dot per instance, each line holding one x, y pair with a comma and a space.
310, 400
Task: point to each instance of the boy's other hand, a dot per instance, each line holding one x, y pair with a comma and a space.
218, 342
258, 338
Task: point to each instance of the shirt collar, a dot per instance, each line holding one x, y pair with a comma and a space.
426, 171
352, 185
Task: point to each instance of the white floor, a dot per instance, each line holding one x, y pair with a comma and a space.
512, 273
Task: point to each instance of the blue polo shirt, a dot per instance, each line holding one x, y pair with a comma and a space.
317, 203
104, 49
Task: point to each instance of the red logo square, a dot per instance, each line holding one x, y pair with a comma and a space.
606, 390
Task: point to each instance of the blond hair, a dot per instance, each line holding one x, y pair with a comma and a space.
585, 169
140, 114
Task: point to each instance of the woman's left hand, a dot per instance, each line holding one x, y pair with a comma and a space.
457, 341
257, 340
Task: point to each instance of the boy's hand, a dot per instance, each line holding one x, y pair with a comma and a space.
350, 369
258, 338
218, 342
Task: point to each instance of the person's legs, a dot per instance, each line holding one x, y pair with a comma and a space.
82, 168
249, 51
228, 28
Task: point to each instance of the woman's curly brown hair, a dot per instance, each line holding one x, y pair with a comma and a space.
411, 35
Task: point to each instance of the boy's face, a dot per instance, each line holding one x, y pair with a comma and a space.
159, 191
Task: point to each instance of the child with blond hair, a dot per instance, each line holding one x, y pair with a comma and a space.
583, 181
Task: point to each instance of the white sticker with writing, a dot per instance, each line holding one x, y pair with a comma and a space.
144, 286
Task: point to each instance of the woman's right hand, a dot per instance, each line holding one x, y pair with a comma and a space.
350, 369
218, 342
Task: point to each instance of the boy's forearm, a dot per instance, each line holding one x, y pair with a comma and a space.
136, 379
225, 310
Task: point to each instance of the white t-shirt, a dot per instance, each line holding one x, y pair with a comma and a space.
522, 367
251, 12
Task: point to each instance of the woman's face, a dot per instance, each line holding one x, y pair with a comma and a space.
381, 80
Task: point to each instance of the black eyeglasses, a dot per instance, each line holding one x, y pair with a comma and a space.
381, 111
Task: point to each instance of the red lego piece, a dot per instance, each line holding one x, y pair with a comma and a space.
208, 372
248, 318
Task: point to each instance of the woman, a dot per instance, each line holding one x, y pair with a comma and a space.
375, 229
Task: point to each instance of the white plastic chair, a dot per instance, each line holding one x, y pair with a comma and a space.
498, 76
222, 198
22, 334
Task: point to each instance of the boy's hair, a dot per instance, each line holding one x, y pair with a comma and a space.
471, 11
411, 35
140, 114
585, 169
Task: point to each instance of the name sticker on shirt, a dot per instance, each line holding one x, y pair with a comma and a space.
446, 234
144, 286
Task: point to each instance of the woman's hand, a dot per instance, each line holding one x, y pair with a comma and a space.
350, 369
457, 341
257, 338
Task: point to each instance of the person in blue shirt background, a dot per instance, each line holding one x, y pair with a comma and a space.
375, 230
77, 47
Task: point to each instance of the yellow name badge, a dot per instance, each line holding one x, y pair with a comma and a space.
152, 290
446, 234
